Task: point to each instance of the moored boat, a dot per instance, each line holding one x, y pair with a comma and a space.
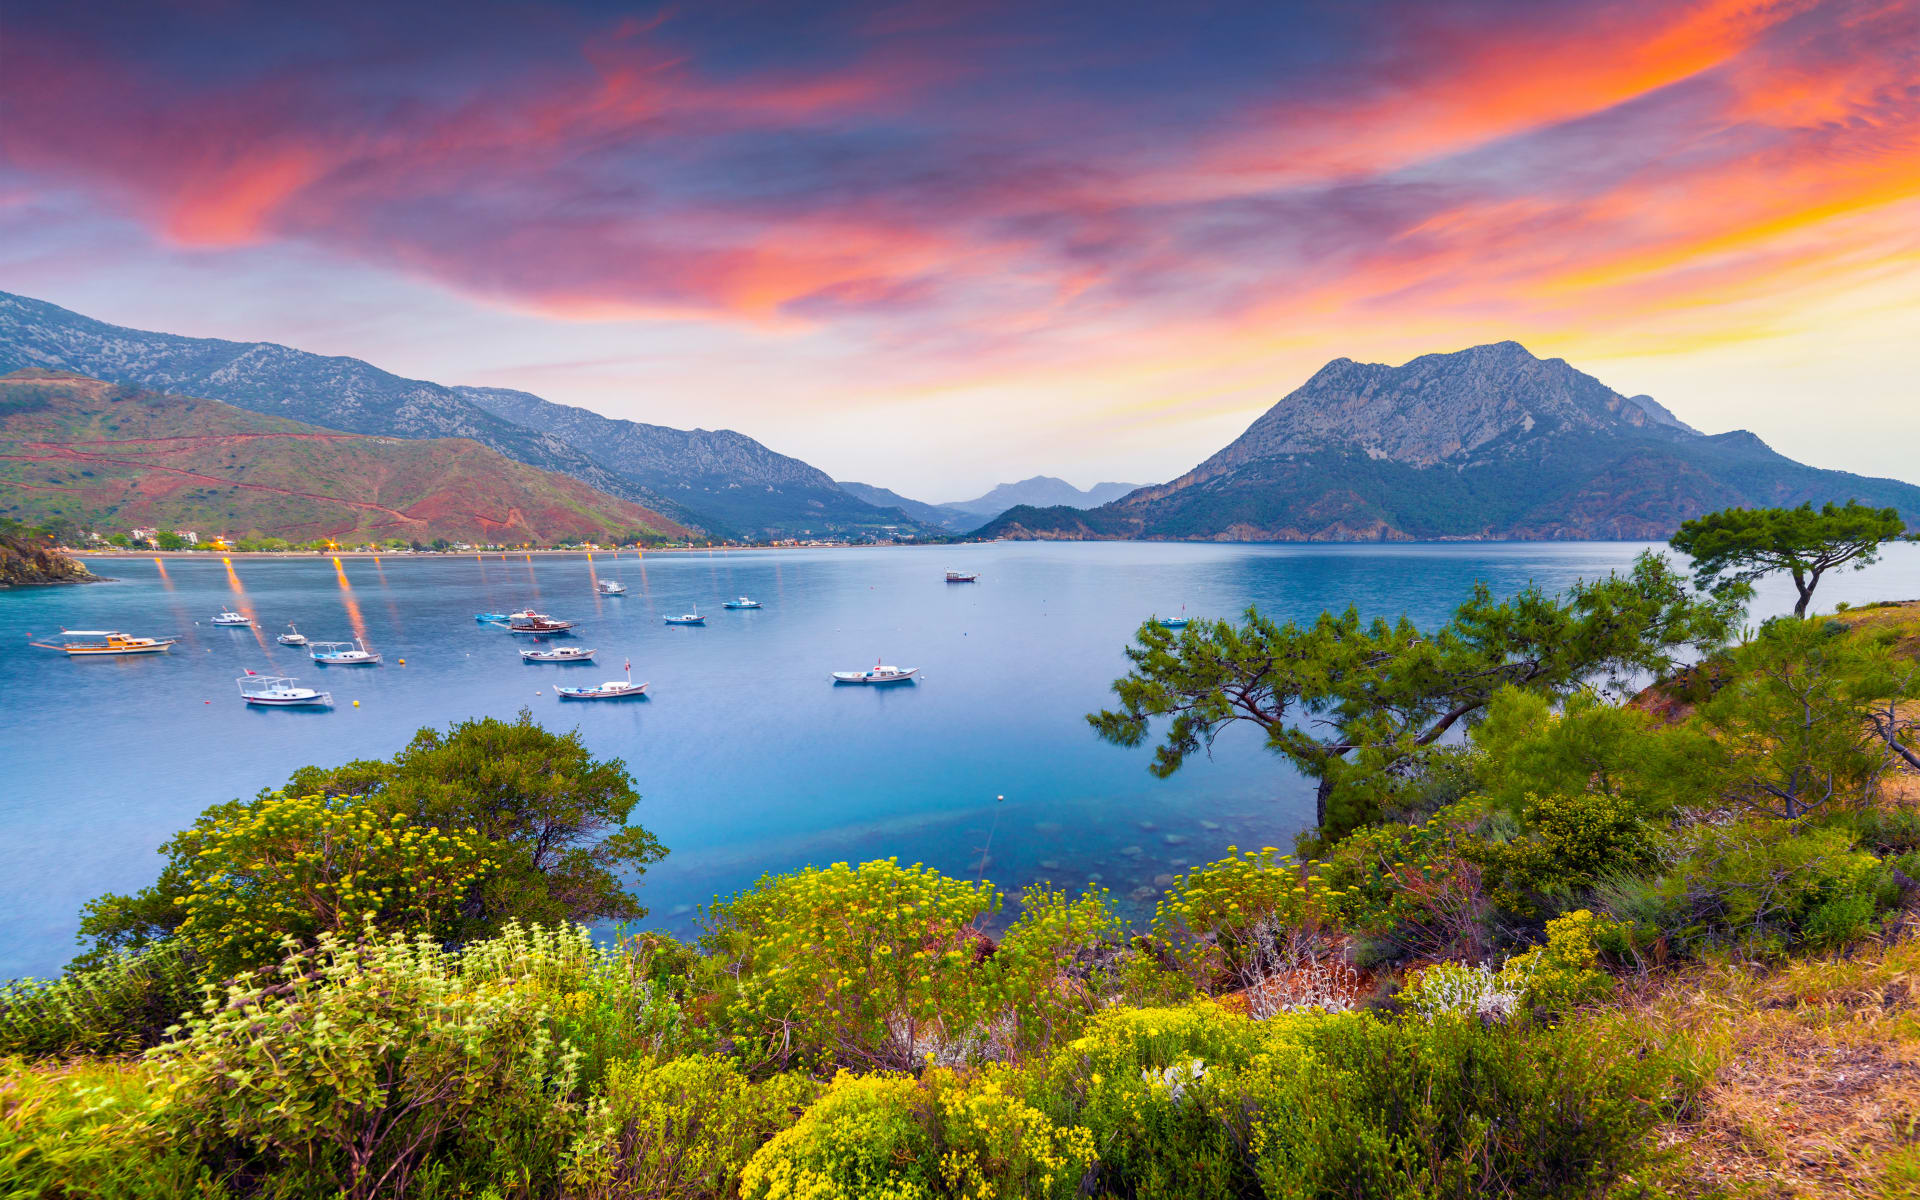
292, 637
611, 587
342, 654
1172, 622
106, 641
742, 602
612, 689
878, 673
232, 618
687, 618
527, 621
962, 577
559, 654
280, 691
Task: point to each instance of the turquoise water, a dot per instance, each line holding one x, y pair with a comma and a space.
747, 758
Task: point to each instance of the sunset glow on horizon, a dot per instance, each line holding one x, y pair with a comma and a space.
935, 247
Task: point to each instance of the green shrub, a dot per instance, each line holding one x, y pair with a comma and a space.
371, 1070
1755, 885
121, 1006
1235, 921
1568, 842
89, 1131
678, 1130
1057, 964
879, 964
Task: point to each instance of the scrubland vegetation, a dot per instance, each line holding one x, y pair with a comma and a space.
1610, 942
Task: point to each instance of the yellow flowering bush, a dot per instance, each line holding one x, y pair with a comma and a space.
1238, 918
888, 1137
681, 1129
1057, 963
300, 866
1565, 971
872, 964
364, 1062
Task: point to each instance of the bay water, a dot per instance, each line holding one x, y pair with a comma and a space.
747, 758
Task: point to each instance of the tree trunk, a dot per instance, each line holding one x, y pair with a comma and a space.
1320, 795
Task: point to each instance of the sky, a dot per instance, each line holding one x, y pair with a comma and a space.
940, 246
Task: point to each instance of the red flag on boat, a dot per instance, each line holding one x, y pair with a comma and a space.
249, 672
629, 664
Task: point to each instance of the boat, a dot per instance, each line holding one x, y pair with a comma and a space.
106, 641
879, 672
342, 654
1179, 622
491, 618
962, 577
611, 587
741, 602
612, 689
559, 654
232, 618
687, 618
292, 637
280, 691
527, 621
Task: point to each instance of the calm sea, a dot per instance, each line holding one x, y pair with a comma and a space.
746, 757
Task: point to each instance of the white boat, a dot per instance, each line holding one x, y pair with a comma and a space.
342, 654
878, 673
527, 621
742, 602
559, 654
106, 641
612, 689
687, 618
611, 587
961, 577
280, 691
232, 618
292, 637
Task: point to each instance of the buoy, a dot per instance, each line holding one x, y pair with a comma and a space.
403, 662
206, 702
356, 704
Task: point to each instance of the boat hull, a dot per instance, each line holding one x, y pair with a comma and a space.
107, 650
862, 679
356, 661
317, 700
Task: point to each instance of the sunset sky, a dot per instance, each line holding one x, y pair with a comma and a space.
937, 246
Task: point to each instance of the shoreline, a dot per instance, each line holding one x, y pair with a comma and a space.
215, 555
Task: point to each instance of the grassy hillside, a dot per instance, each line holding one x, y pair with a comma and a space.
110, 457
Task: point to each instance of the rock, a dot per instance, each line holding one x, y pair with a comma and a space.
1132, 851
1174, 839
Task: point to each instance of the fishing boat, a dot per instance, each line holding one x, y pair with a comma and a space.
1179, 622
527, 621
687, 618
612, 689
342, 654
280, 691
878, 673
232, 618
292, 637
962, 577
611, 587
491, 618
106, 641
559, 654
742, 602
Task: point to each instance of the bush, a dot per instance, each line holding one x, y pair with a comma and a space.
1755, 885
1569, 841
1057, 964
1238, 921
88, 1131
879, 965
371, 1069
682, 1129
119, 1007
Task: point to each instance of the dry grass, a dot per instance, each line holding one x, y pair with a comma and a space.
1817, 1094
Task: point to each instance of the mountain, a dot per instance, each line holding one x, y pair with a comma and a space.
1041, 491
927, 514
750, 490
1486, 443
724, 476
103, 455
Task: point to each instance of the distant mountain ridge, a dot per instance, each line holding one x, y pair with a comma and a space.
1040, 491
753, 491
722, 475
1485, 443
102, 455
